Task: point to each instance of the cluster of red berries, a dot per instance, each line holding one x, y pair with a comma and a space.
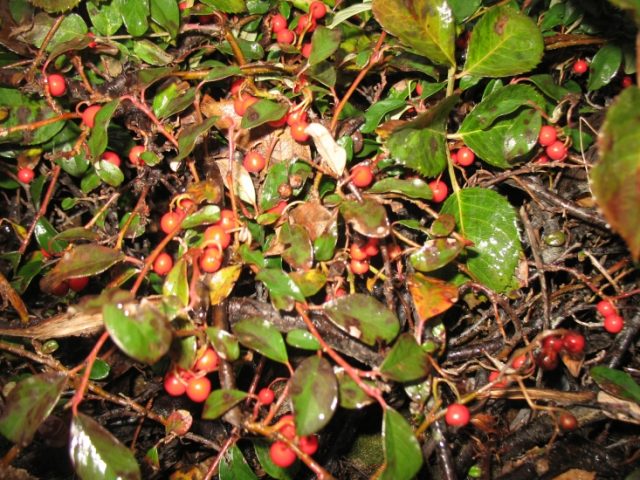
457, 415
360, 255
464, 156
554, 148
307, 23
76, 284
193, 382
613, 322
571, 342
281, 454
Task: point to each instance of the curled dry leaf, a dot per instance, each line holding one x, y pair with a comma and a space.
332, 154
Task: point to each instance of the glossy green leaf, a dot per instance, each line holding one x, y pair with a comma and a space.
420, 144
96, 453
309, 281
364, 318
490, 222
263, 111
234, 467
134, 14
221, 283
166, 14
504, 42
303, 339
282, 288
105, 17
616, 382
604, 66
177, 283
377, 111
140, 331
55, 6
435, 254
222, 71
190, 135
261, 336
402, 454
351, 395
314, 394
298, 251
28, 404
431, 296
74, 234
427, 26
614, 177
406, 361
463, 9
276, 176
414, 188
367, 217
227, 6
225, 344
99, 137
220, 401
323, 44
109, 173
172, 100
81, 261
205, 216
151, 53
547, 85
45, 236
99, 370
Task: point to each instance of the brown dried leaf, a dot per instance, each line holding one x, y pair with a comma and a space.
314, 217
10, 295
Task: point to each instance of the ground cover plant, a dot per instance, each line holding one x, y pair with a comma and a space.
292, 239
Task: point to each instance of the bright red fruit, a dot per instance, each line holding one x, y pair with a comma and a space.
567, 422
419, 89
457, 415
317, 10
573, 342
547, 359
288, 430
79, 283
61, 289
465, 156
439, 190
371, 247
279, 123
89, 115
605, 308
216, 235
56, 84
556, 151
111, 157
519, 361
306, 50
242, 103
173, 385
26, 175
306, 23
627, 81
613, 323
236, 86
253, 162
309, 444
285, 37
163, 264
211, 260
134, 155
359, 267
170, 221
227, 220
208, 361
362, 176
266, 396
580, 67
298, 132
278, 23
297, 116
357, 252
198, 389
493, 376
547, 135
553, 343
281, 454
279, 208
542, 159
182, 5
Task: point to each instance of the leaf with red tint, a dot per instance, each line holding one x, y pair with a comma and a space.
431, 296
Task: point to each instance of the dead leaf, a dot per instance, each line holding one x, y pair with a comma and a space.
576, 474
9, 294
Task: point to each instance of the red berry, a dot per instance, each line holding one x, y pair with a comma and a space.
457, 415
306, 50
298, 132
57, 85
93, 43
61, 289
580, 67
627, 81
439, 190
216, 235
281, 454
134, 155
306, 23
465, 156
297, 116
605, 308
242, 103
357, 252
182, 5
519, 361
362, 176
309, 444
285, 37
266, 396
317, 10
208, 361
163, 264
170, 221
573, 342
227, 220
198, 389
89, 115
279, 208
236, 86
553, 343
542, 159
26, 175
211, 260
547, 359
288, 430
614, 323
359, 267
556, 151
279, 123
340, 292
394, 251
254, 162
111, 157
567, 422
78, 284
174, 385
501, 384
547, 135
278, 23
419, 89
371, 247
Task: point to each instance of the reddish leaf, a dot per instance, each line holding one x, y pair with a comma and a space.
431, 296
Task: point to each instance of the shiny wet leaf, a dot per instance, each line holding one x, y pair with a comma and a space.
314, 393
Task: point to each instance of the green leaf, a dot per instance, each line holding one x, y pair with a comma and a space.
463, 9
141, 331
421, 144
225, 344
99, 137
151, 53
547, 85
364, 318
54, 6
402, 454
616, 382
234, 467
28, 404
427, 26
261, 336
99, 370
298, 250
263, 111
221, 283
414, 188
45, 236
323, 44
276, 176
351, 395
367, 217
314, 393
303, 339
282, 288
376, 112
189, 136
205, 216
227, 6
172, 100
222, 71
109, 173
490, 222
176, 283
134, 14
604, 66
614, 177
435, 254
221, 401
105, 17
504, 42
346, 13
96, 453
166, 14
310, 281
406, 361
